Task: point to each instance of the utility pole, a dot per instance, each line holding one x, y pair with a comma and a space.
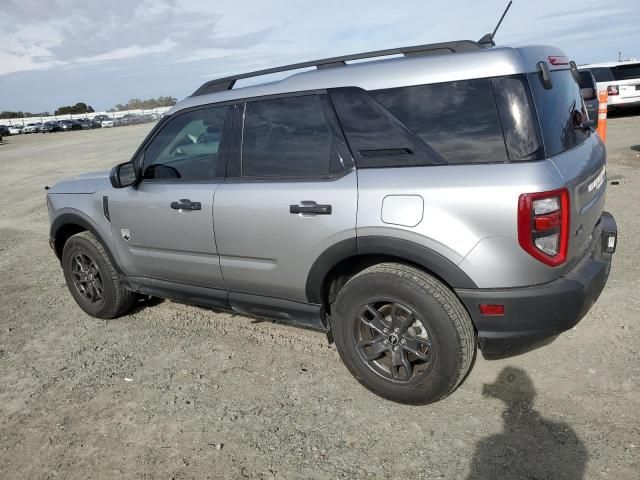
619, 56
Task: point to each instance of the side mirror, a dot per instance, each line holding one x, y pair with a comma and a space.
588, 93
123, 175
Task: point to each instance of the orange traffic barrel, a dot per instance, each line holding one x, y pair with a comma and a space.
603, 98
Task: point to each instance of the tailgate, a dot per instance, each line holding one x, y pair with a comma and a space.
583, 170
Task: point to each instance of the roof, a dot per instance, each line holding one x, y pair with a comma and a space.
609, 64
386, 73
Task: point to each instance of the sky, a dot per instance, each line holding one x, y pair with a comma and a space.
104, 52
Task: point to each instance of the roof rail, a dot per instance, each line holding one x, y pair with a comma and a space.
227, 83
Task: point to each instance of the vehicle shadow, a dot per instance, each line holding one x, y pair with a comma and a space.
635, 148
530, 446
145, 301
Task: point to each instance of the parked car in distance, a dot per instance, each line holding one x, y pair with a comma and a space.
32, 128
4, 131
621, 81
347, 199
129, 119
66, 125
15, 129
50, 127
85, 123
105, 121
589, 91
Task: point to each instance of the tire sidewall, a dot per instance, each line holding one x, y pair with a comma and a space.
441, 377
79, 244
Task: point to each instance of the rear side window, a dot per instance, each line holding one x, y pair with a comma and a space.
286, 137
586, 80
560, 111
459, 120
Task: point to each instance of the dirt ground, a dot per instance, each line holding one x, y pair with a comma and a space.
179, 392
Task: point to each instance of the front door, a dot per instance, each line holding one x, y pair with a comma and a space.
163, 227
291, 194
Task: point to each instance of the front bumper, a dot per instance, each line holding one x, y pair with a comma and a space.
535, 315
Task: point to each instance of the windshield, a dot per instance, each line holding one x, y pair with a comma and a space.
561, 111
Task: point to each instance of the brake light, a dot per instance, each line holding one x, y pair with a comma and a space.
612, 90
543, 225
558, 60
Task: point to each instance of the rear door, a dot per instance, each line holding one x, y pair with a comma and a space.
628, 82
290, 194
163, 227
577, 153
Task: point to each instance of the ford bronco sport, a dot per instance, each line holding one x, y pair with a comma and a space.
414, 207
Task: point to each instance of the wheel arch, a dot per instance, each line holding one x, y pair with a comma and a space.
67, 225
348, 257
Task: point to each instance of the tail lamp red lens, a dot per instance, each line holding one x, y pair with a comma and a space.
612, 90
489, 309
543, 225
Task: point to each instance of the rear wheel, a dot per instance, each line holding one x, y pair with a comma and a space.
403, 334
92, 279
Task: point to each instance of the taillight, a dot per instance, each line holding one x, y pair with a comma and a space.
543, 225
612, 90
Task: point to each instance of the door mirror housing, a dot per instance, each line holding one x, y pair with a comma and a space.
123, 175
588, 93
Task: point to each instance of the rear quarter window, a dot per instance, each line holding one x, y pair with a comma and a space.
459, 120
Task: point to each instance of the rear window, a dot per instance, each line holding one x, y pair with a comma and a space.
603, 74
560, 111
459, 120
627, 72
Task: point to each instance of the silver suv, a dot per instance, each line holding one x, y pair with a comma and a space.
413, 207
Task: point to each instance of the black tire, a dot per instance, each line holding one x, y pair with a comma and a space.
114, 299
441, 334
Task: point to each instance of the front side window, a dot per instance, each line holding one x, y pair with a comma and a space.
187, 147
561, 111
459, 120
286, 137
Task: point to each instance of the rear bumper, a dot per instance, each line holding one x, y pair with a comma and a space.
535, 315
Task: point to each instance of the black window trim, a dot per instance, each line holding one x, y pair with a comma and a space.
234, 157
416, 142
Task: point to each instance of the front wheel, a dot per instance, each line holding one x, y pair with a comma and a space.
92, 279
403, 334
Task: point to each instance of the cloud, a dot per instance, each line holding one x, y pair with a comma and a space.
104, 52
69, 31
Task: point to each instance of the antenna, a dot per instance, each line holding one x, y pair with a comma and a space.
488, 38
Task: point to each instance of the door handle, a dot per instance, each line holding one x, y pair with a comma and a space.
186, 204
310, 208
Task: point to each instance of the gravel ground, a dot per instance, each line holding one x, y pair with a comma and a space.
177, 392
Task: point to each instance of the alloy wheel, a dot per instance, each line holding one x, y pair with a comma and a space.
393, 341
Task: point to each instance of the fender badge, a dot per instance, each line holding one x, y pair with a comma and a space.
125, 234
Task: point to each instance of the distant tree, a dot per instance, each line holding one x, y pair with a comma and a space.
79, 107
8, 114
137, 104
